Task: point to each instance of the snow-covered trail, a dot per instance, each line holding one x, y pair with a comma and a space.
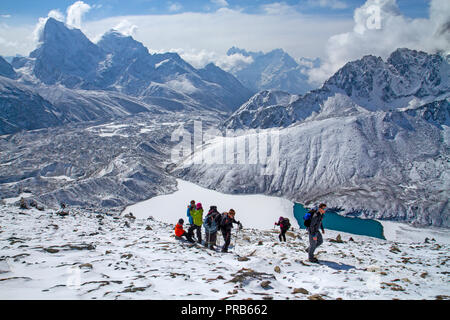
88, 255
253, 211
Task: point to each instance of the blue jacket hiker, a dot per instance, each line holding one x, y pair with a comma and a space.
211, 225
197, 219
190, 207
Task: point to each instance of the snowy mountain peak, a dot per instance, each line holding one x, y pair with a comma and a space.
115, 42
274, 70
245, 53
407, 74
66, 56
407, 77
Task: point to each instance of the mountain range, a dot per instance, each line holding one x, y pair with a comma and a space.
372, 141
118, 69
407, 78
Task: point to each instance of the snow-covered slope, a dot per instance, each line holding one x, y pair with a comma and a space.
407, 78
93, 255
22, 108
27, 107
6, 70
275, 70
90, 164
386, 165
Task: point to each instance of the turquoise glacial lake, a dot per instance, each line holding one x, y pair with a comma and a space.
334, 221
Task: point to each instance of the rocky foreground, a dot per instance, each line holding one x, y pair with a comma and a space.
99, 255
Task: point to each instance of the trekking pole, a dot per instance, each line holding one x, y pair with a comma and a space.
218, 239
235, 237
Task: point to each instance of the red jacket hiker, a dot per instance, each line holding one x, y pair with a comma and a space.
179, 231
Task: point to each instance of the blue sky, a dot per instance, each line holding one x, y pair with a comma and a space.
26, 9
201, 31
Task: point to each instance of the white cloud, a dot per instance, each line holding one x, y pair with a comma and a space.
200, 58
221, 3
174, 7
380, 28
57, 15
125, 27
332, 4
278, 8
216, 32
206, 37
6, 16
76, 12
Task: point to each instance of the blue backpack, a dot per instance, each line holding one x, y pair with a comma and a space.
307, 217
210, 224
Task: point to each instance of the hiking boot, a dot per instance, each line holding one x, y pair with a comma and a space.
313, 260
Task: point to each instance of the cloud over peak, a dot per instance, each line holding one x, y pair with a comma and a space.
379, 29
76, 12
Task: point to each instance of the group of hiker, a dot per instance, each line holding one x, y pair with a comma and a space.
215, 221
212, 223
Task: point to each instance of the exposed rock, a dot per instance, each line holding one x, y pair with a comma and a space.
300, 290
338, 239
134, 289
51, 250
394, 249
243, 259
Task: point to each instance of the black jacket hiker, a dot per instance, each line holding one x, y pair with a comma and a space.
226, 225
313, 230
284, 227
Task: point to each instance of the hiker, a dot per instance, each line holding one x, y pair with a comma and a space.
284, 227
179, 231
190, 207
226, 225
211, 225
315, 237
197, 219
